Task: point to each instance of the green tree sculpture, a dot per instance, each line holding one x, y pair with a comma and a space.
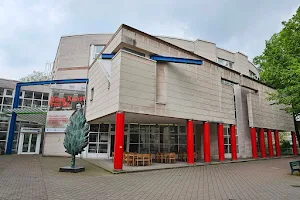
76, 134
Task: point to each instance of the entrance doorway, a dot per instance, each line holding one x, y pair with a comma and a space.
112, 144
30, 141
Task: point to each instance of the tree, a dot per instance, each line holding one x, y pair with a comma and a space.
36, 76
279, 66
76, 134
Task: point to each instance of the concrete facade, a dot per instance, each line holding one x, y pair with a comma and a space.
210, 51
73, 53
164, 93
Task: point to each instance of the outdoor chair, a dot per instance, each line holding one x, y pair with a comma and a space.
172, 158
139, 159
128, 159
148, 159
183, 157
159, 157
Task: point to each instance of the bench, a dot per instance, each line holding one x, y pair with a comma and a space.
295, 166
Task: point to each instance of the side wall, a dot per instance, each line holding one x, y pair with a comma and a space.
242, 119
54, 144
264, 114
106, 97
137, 84
72, 56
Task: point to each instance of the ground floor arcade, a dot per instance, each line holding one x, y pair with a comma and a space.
199, 141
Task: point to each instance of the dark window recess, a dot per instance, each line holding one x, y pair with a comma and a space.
7, 101
28, 94
1, 91
9, 92
37, 95
45, 96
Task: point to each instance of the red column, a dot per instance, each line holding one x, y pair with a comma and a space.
262, 143
119, 141
221, 142
295, 150
253, 142
190, 141
270, 143
206, 141
277, 144
233, 143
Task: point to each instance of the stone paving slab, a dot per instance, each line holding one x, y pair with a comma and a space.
108, 165
36, 177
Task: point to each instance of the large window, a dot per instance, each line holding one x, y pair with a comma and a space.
3, 132
98, 139
97, 50
33, 99
145, 138
227, 142
225, 63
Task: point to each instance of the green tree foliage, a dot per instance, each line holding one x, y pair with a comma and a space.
76, 135
279, 65
285, 144
36, 76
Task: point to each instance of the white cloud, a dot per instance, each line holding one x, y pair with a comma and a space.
30, 30
26, 33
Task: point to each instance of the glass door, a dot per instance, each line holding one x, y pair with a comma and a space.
29, 143
112, 144
33, 143
26, 142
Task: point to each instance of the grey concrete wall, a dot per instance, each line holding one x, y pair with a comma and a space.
206, 49
137, 84
263, 114
242, 127
106, 97
195, 92
72, 56
53, 145
210, 51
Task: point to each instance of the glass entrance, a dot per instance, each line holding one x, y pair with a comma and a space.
112, 144
29, 143
30, 140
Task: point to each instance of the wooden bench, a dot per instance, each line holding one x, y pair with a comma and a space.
295, 166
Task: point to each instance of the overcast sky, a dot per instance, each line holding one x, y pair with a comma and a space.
31, 29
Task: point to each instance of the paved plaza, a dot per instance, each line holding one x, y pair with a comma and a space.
37, 177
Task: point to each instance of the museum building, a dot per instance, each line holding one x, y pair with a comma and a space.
150, 94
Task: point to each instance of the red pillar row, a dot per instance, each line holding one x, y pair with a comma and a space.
119, 141
233, 142
206, 141
221, 142
253, 142
277, 143
262, 143
295, 150
190, 141
270, 143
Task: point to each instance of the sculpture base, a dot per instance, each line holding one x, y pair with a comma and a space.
69, 169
